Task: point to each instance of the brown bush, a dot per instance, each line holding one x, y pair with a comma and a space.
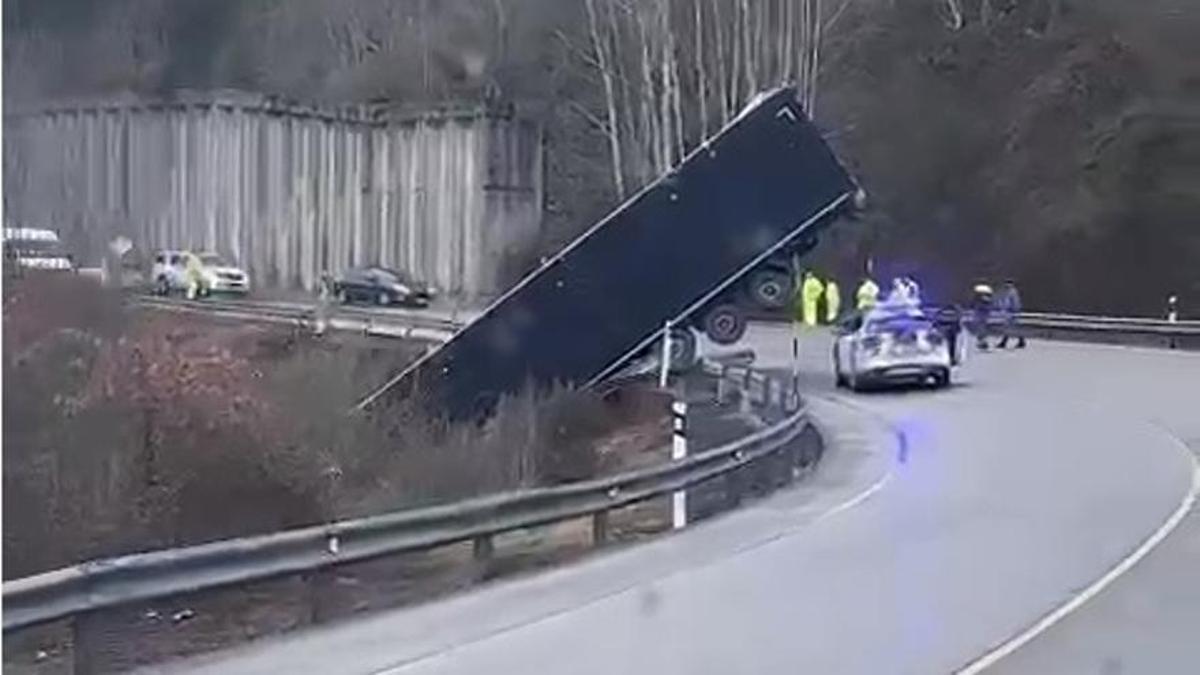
131, 433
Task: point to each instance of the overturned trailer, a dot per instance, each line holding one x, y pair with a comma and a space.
679, 253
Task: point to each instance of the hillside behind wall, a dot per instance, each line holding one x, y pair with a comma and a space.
285, 190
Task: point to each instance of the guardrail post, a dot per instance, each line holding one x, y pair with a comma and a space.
744, 394
733, 487
82, 657
483, 548
599, 528
679, 451
320, 583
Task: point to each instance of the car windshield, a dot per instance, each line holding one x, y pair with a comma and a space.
389, 274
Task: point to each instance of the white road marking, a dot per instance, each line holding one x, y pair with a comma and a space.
857, 499
1066, 609
792, 530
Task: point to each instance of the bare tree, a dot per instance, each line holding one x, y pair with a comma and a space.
657, 104
723, 93
701, 73
612, 127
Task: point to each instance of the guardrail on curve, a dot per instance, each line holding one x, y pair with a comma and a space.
112, 582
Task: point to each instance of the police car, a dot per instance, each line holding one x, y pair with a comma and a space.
891, 344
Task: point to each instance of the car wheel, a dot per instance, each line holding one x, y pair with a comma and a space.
383, 299
770, 289
857, 384
839, 380
942, 379
725, 324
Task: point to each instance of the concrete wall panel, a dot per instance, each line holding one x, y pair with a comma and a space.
287, 191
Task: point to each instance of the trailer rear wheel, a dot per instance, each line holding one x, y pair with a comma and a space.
725, 324
770, 289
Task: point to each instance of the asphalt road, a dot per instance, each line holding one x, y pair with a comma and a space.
944, 524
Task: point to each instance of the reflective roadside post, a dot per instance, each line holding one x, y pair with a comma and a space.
1172, 318
678, 453
665, 370
324, 296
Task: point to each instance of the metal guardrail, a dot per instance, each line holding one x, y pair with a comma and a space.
1079, 322
112, 582
376, 323
1076, 324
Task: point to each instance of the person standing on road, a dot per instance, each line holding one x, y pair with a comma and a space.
810, 294
949, 320
833, 301
867, 295
981, 306
912, 290
1009, 304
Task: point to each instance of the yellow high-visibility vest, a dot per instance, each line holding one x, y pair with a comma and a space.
867, 295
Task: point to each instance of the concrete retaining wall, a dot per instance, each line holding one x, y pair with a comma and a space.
285, 190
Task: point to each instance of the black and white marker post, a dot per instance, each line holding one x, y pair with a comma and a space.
678, 429
679, 453
1172, 318
665, 361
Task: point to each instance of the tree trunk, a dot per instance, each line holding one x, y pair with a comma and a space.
649, 115
815, 48
701, 75
722, 69
606, 76
677, 99
748, 48
666, 124
735, 75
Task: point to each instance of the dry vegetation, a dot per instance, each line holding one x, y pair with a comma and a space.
125, 432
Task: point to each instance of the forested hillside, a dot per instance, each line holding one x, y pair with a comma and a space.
1054, 141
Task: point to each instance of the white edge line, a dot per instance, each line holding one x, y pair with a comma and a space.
857, 499
1014, 643
794, 529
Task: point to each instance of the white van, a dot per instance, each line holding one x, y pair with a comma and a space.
29, 248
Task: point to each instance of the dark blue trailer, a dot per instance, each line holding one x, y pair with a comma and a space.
677, 251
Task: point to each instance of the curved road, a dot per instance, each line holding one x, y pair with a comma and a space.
947, 523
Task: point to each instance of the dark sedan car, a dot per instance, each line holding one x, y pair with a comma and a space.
381, 286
